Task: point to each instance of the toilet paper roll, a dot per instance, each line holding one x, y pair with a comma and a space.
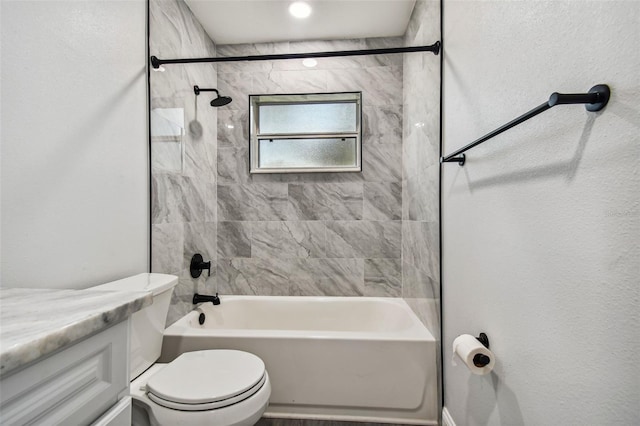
476, 357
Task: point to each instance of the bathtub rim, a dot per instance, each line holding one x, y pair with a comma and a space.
418, 331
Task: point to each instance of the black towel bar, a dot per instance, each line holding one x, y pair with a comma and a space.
595, 100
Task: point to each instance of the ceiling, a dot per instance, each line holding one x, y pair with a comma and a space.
260, 21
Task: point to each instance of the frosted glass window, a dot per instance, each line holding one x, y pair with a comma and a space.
308, 118
318, 132
328, 152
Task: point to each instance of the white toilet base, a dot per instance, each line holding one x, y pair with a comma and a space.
244, 413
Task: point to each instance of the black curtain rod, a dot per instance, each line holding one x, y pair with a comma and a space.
435, 48
596, 100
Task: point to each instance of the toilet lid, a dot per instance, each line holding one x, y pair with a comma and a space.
207, 376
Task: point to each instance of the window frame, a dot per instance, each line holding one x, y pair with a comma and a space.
255, 136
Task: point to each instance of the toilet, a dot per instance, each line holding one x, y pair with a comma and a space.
213, 387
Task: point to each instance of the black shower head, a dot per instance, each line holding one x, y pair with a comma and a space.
218, 101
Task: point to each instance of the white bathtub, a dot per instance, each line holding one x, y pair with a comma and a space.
336, 358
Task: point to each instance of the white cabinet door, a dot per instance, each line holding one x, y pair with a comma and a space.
118, 415
74, 386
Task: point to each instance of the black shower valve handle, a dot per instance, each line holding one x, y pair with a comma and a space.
198, 265
207, 266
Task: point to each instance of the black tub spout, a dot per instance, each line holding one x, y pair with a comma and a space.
202, 298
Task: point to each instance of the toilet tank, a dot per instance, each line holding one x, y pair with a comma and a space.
147, 325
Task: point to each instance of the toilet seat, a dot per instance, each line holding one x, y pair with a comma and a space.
207, 405
207, 380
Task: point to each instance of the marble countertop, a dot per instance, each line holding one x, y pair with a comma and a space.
36, 322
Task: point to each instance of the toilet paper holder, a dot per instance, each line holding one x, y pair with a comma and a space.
482, 338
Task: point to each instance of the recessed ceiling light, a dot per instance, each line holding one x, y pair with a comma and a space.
309, 62
300, 9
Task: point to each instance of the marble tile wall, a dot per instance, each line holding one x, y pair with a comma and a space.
373, 233
330, 234
183, 207
421, 171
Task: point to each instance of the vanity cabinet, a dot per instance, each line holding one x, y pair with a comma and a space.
83, 383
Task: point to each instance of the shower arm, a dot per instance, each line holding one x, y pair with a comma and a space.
197, 90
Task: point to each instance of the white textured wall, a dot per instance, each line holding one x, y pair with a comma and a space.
74, 144
541, 228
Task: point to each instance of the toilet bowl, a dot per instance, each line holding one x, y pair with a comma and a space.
212, 387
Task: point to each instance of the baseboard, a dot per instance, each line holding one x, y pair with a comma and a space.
299, 419
447, 420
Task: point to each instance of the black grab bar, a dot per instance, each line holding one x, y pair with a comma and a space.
596, 100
